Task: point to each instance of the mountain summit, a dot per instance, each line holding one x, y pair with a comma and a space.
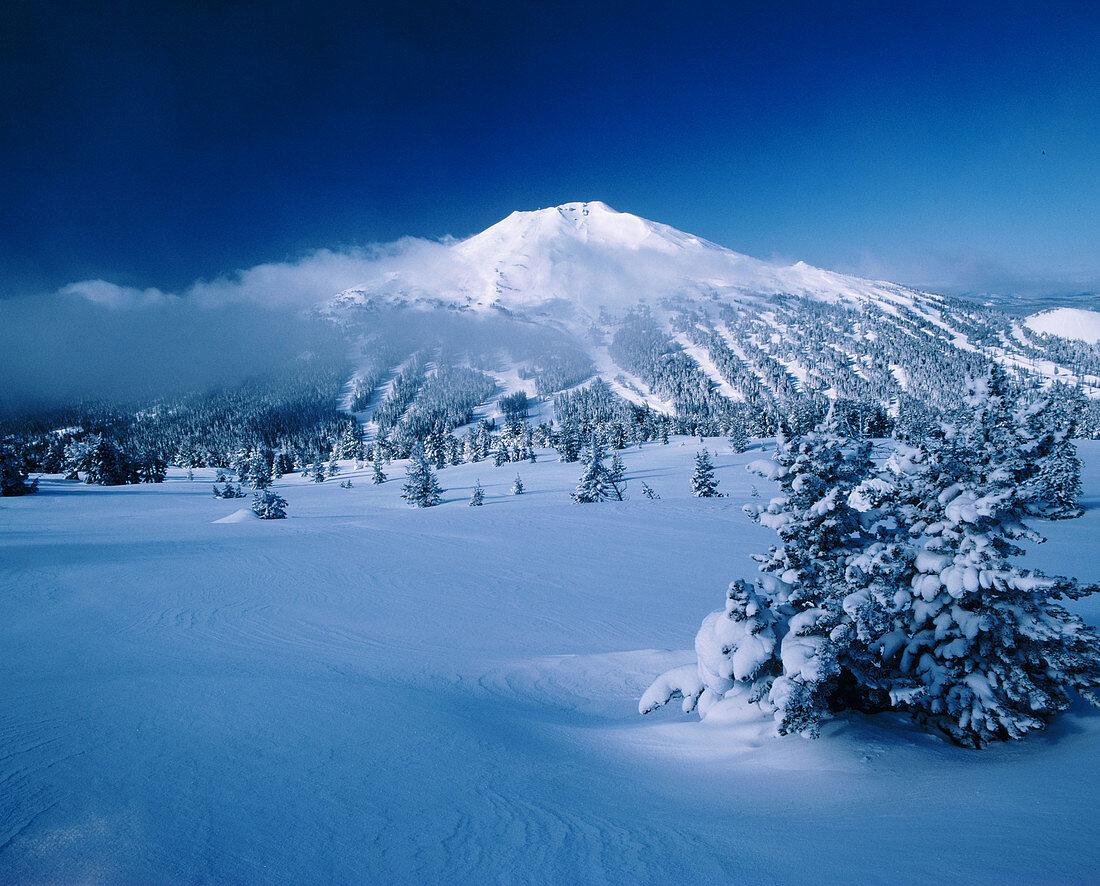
590, 257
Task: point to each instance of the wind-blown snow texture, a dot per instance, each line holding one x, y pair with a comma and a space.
367, 692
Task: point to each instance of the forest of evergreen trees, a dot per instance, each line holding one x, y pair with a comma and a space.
788, 363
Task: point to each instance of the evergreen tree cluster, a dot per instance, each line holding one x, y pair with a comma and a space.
895, 586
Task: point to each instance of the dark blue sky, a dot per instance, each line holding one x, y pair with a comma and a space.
951, 145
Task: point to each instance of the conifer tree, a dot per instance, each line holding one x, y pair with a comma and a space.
421, 488
703, 484
616, 478
648, 491
593, 485
269, 505
13, 477
477, 497
378, 475
991, 654
517, 486
738, 435
895, 588
151, 468
259, 471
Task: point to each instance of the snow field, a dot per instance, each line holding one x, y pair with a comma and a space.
366, 692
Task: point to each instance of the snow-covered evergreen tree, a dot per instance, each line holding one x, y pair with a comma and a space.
477, 497
616, 478
421, 488
989, 652
895, 588
594, 484
517, 486
269, 505
648, 492
259, 471
106, 464
378, 475
13, 478
703, 483
1055, 469
738, 435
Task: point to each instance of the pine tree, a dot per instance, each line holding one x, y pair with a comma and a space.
107, 465
991, 654
894, 589
317, 473
738, 435
378, 475
477, 497
593, 485
703, 484
1055, 471
13, 478
517, 486
616, 478
269, 505
151, 468
259, 470
648, 492
421, 488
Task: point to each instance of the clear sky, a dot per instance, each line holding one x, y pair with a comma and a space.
955, 145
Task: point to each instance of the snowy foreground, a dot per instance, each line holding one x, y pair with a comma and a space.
370, 693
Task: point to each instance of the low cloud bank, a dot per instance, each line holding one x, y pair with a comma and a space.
97, 339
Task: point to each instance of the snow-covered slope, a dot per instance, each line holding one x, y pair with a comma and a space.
370, 693
1068, 323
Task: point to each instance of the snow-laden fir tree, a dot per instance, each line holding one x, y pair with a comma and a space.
259, 471
378, 475
771, 645
13, 478
269, 505
703, 483
648, 491
616, 477
228, 491
1055, 469
106, 464
894, 589
421, 488
517, 486
477, 497
738, 435
988, 653
317, 472
594, 484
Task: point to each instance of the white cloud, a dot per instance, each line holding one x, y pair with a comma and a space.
311, 279
111, 295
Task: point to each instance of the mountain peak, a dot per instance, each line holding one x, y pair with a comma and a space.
590, 257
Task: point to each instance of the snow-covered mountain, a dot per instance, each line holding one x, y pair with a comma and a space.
592, 258
677, 323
